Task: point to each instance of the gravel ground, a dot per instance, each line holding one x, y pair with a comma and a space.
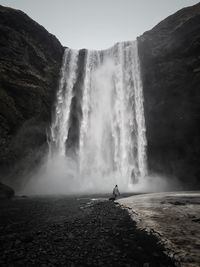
73, 231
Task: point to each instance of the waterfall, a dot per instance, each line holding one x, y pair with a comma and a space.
60, 125
99, 117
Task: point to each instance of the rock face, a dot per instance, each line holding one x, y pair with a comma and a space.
170, 63
6, 191
30, 60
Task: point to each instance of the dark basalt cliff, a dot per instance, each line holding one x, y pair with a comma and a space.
170, 63
30, 60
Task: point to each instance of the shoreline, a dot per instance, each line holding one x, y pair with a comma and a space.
173, 217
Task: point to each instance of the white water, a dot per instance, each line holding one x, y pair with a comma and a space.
112, 140
60, 125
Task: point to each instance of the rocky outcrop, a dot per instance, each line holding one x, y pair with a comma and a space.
170, 63
6, 191
30, 60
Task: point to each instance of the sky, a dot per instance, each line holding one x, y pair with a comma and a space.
97, 24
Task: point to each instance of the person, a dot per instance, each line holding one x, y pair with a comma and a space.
116, 192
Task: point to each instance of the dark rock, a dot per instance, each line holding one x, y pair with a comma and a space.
6, 191
17, 242
170, 62
177, 203
30, 60
27, 238
196, 220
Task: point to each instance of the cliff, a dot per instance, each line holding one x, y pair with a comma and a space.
30, 60
170, 63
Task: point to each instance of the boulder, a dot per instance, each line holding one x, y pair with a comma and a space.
6, 191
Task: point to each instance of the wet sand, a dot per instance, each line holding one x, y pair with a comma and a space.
174, 217
74, 231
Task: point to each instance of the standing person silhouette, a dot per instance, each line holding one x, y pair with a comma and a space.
116, 192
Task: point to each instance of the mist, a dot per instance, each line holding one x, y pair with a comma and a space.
60, 175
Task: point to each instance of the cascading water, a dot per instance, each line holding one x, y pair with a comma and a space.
99, 119
60, 126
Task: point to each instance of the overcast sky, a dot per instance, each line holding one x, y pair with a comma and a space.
97, 24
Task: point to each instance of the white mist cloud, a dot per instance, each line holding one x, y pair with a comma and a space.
58, 175
155, 183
